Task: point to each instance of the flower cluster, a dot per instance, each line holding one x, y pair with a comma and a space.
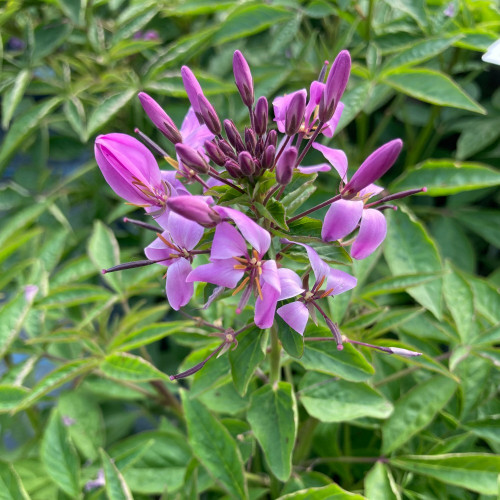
261, 175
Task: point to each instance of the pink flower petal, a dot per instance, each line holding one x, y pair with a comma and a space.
280, 105
372, 233
219, 272
179, 292
294, 315
336, 157
322, 167
291, 284
157, 250
185, 233
315, 93
270, 275
371, 190
227, 243
341, 219
265, 309
331, 124
340, 281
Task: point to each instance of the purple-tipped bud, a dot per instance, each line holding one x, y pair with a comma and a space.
209, 115
191, 158
322, 73
261, 114
374, 167
295, 113
243, 78
193, 88
227, 149
162, 121
259, 148
233, 169
246, 163
215, 153
233, 136
194, 208
335, 85
272, 138
285, 166
268, 157
250, 140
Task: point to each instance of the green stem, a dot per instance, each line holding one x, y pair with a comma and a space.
369, 19
304, 441
275, 356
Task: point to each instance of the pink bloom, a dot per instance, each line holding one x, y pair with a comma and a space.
230, 261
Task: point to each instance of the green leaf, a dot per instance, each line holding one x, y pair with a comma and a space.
324, 357
73, 295
13, 96
292, 341
11, 487
445, 177
247, 356
397, 284
460, 301
354, 101
22, 127
106, 110
433, 87
415, 410
379, 484
59, 456
11, 396
12, 316
330, 492
215, 447
197, 7
75, 114
116, 487
299, 194
331, 400
408, 249
48, 38
477, 134
472, 471
148, 335
248, 20
56, 378
273, 418
489, 229
125, 366
274, 212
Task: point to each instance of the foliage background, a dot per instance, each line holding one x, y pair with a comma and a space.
83, 364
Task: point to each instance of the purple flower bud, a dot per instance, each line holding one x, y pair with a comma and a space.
194, 208
191, 158
335, 85
233, 169
268, 157
233, 136
272, 138
227, 149
285, 166
261, 115
215, 153
374, 167
250, 140
259, 148
295, 113
246, 163
193, 88
243, 78
162, 121
209, 115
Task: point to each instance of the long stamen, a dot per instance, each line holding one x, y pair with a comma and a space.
241, 259
318, 285
164, 240
241, 285
259, 290
325, 294
240, 267
130, 265
313, 209
158, 149
255, 253
139, 223
397, 196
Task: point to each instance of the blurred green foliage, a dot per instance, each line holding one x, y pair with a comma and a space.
83, 362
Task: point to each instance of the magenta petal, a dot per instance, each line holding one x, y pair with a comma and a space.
270, 275
295, 315
265, 309
258, 237
336, 157
281, 104
340, 281
371, 234
322, 167
290, 282
315, 92
157, 250
179, 291
219, 272
331, 124
185, 233
227, 243
341, 219
370, 190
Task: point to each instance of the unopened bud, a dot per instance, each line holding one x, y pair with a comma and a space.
268, 157
285, 166
250, 140
272, 138
233, 169
243, 78
246, 163
191, 158
335, 86
322, 73
227, 149
162, 121
295, 113
261, 115
404, 352
259, 148
233, 136
209, 115
194, 208
215, 153
193, 88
